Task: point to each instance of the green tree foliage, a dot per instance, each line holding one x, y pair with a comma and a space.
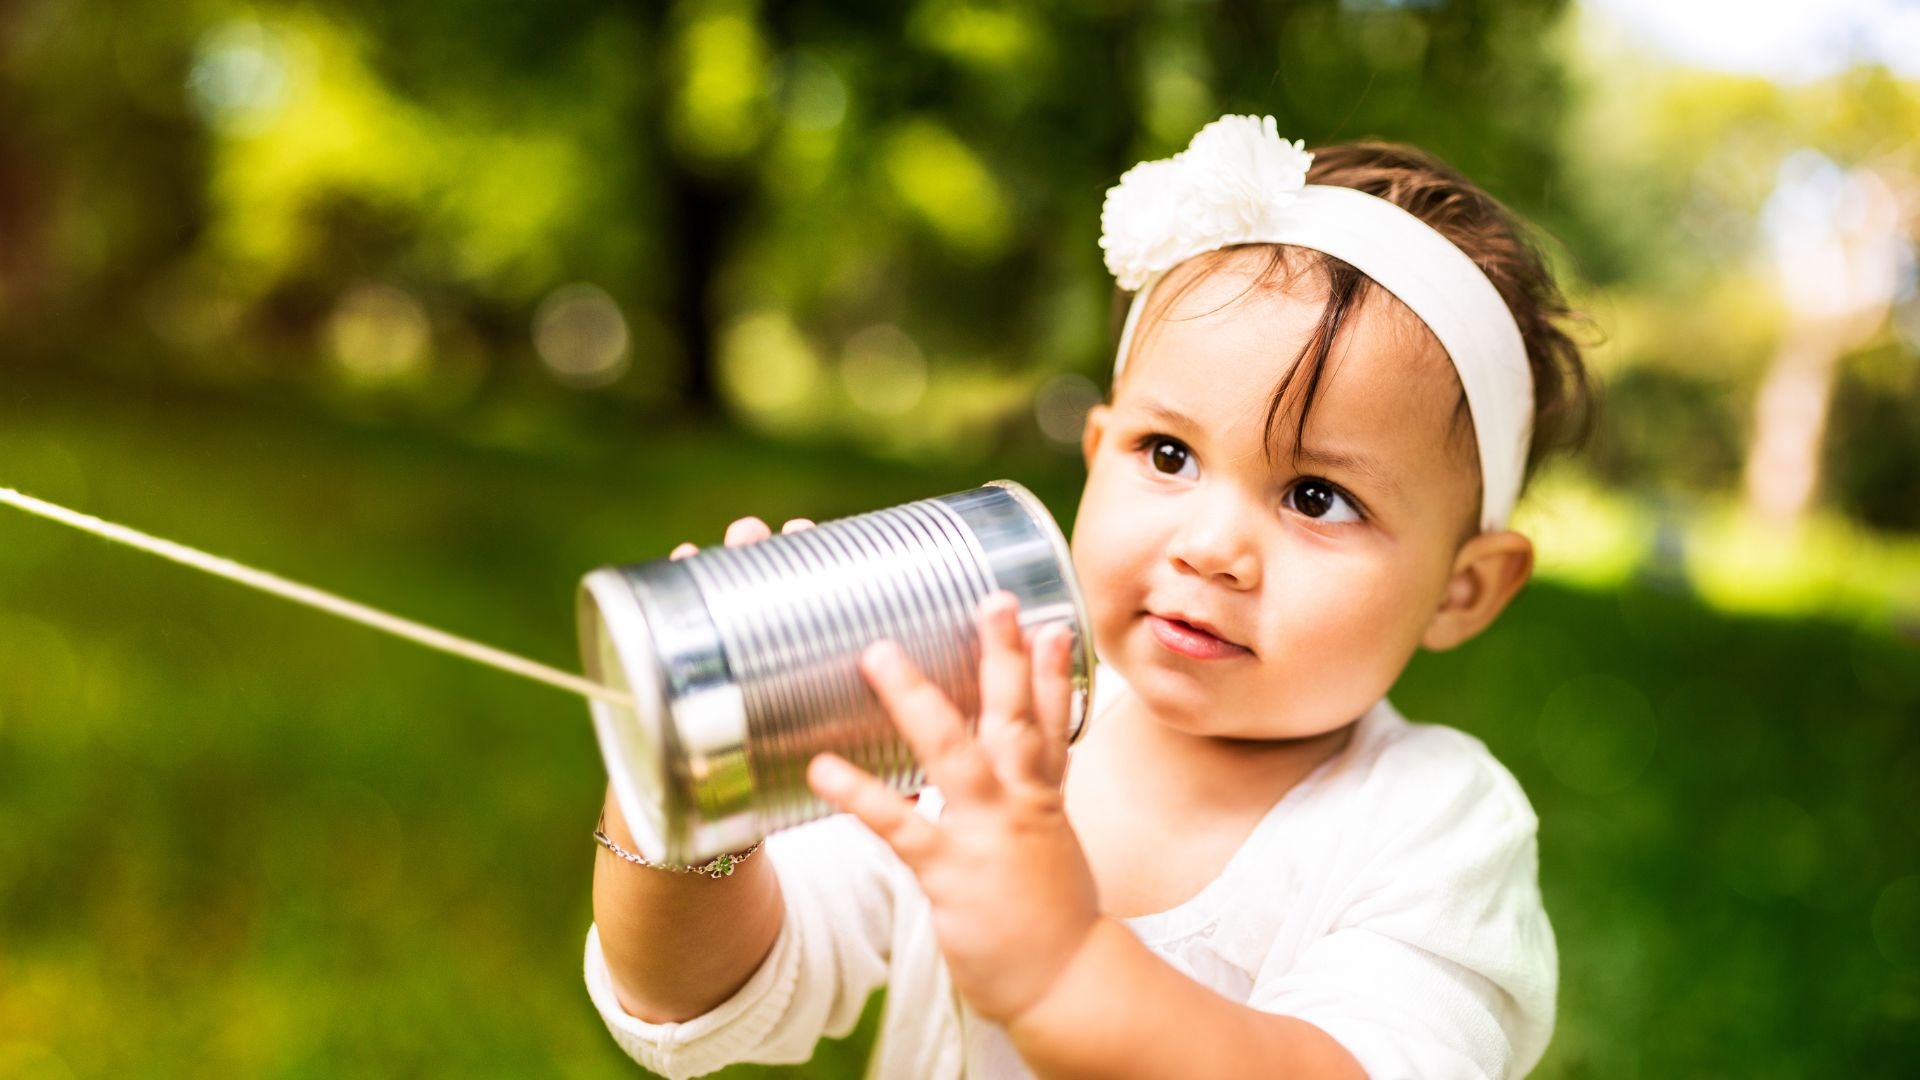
844, 193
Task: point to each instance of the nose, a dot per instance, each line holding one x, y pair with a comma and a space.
1215, 540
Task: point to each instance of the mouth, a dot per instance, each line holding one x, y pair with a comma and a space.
1193, 639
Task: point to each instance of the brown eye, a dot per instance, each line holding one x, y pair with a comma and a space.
1315, 498
1169, 456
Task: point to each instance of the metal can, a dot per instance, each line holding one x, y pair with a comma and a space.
741, 661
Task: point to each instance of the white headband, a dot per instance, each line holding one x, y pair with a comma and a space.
1238, 182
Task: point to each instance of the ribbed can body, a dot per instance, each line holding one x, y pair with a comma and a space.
743, 659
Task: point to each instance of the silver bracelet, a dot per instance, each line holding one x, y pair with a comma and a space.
719, 867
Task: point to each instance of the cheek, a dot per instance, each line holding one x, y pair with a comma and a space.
1114, 525
1102, 567
1110, 557
1360, 609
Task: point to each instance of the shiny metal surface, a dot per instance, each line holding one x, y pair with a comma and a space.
742, 659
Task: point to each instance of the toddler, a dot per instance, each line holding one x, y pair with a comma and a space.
1335, 372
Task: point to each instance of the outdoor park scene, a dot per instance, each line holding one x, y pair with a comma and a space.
441, 306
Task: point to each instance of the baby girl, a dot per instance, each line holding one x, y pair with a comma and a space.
1336, 376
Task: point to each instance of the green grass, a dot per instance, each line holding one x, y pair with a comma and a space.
239, 837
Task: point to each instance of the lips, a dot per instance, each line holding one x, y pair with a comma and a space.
1192, 638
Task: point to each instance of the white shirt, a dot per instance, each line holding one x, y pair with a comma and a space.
1391, 898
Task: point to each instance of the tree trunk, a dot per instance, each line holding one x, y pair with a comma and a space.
1790, 421
20, 211
701, 217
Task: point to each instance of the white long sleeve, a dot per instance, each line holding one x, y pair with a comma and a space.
1389, 898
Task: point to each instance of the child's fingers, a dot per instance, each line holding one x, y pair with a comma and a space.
1036, 749
1053, 692
858, 792
1005, 688
747, 530
933, 729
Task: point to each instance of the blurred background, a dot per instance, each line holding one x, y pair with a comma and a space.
440, 306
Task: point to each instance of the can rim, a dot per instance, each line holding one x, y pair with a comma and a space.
607, 606
1063, 553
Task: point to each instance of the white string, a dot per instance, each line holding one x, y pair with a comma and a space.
260, 579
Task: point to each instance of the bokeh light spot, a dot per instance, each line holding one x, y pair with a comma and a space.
1178, 98
1061, 406
883, 370
581, 336
989, 37
812, 93
949, 187
720, 108
768, 366
238, 81
378, 336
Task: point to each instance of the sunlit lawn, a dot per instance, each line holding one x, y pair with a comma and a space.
238, 837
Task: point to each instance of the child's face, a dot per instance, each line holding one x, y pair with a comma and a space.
1321, 581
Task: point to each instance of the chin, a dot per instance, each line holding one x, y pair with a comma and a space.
1181, 699
1185, 702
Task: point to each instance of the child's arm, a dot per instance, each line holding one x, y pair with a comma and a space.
692, 973
1016, 912
830, 950
679, 944
1120, 1010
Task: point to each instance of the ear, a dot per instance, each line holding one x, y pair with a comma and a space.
1093, 432
1488, 571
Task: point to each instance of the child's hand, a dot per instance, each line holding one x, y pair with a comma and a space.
1013, 897
746, 530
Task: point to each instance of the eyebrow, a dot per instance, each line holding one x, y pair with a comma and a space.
1172, 416
1358, 463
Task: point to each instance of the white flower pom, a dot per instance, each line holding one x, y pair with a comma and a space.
1140, 227
1243, 175
1230, 182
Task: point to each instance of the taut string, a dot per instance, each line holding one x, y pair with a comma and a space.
325, 601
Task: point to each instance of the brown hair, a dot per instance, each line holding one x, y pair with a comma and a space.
1492, 236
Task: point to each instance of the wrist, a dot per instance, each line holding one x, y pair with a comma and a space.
1062, 1005
718, 867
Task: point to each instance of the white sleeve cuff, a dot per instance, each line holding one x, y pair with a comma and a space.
715, 1039
830, 955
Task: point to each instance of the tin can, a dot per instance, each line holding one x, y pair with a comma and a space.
741, 661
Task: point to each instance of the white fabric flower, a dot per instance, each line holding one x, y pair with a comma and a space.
1243, 174
1232, 181
1140, 224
